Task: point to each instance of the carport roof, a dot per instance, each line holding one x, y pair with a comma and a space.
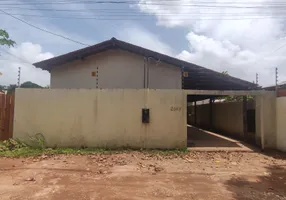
197, 77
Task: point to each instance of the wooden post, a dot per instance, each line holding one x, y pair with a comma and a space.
244, 112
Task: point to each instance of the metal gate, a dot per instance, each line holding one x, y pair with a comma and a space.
6, 116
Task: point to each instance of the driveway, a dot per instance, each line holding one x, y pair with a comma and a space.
199, 139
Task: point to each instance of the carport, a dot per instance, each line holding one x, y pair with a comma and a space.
203, 84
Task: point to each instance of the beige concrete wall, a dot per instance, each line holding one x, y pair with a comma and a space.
226, 117
266, 119
281, 125
115, 69
203, 115
101, 118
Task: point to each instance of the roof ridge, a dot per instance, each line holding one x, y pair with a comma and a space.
115, 43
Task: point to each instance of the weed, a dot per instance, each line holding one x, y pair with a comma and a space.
38, 141
11, 144
17, 148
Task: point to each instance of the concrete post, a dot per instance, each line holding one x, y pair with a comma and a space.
244, 111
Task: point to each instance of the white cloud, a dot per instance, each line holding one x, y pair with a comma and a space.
26, 53
222, 55
242, 47
142, 37
30, 44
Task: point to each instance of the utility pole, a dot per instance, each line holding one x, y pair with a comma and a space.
19, 76
256, 79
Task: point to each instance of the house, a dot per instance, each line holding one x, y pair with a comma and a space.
118, 64
281, 85
133, 118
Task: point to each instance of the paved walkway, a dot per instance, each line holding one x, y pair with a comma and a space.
199, 139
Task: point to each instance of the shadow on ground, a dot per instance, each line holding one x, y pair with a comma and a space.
200, 138
270, 185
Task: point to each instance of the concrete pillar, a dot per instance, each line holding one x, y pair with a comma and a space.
266, 120
244, 114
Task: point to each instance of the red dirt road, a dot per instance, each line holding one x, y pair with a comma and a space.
134, 175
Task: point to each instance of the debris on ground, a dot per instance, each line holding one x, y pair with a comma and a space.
30, 179
193, 175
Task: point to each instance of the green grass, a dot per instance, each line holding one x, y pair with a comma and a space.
16, 148
30, 151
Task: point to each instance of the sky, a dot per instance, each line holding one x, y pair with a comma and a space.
240, 37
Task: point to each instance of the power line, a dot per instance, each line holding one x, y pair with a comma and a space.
139, 17
19, 58
268, 54
168, 3
120, 11
136, 1
11, 60
64, 37
134, 14
162, 2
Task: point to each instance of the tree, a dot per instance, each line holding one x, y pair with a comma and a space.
233, 98
225, 72
4, 39
2, 88
11, 89
29, 84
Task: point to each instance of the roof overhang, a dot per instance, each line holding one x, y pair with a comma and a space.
199, 78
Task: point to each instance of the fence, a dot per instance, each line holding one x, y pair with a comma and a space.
6, 116
102, 118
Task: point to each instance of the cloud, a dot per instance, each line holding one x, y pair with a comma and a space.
144, 38
32, 44
25, 53
222, 55
242, 47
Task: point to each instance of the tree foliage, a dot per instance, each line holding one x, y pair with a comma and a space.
5, 39
29, 84
233, 98
11, 88
225, 72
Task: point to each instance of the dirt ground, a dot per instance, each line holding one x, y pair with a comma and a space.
136, 175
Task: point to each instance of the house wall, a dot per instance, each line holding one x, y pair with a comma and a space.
281, 125
228, 117
115, 69
101, 118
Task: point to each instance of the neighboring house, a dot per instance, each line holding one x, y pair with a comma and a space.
117, 64
281, 89
281, 85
